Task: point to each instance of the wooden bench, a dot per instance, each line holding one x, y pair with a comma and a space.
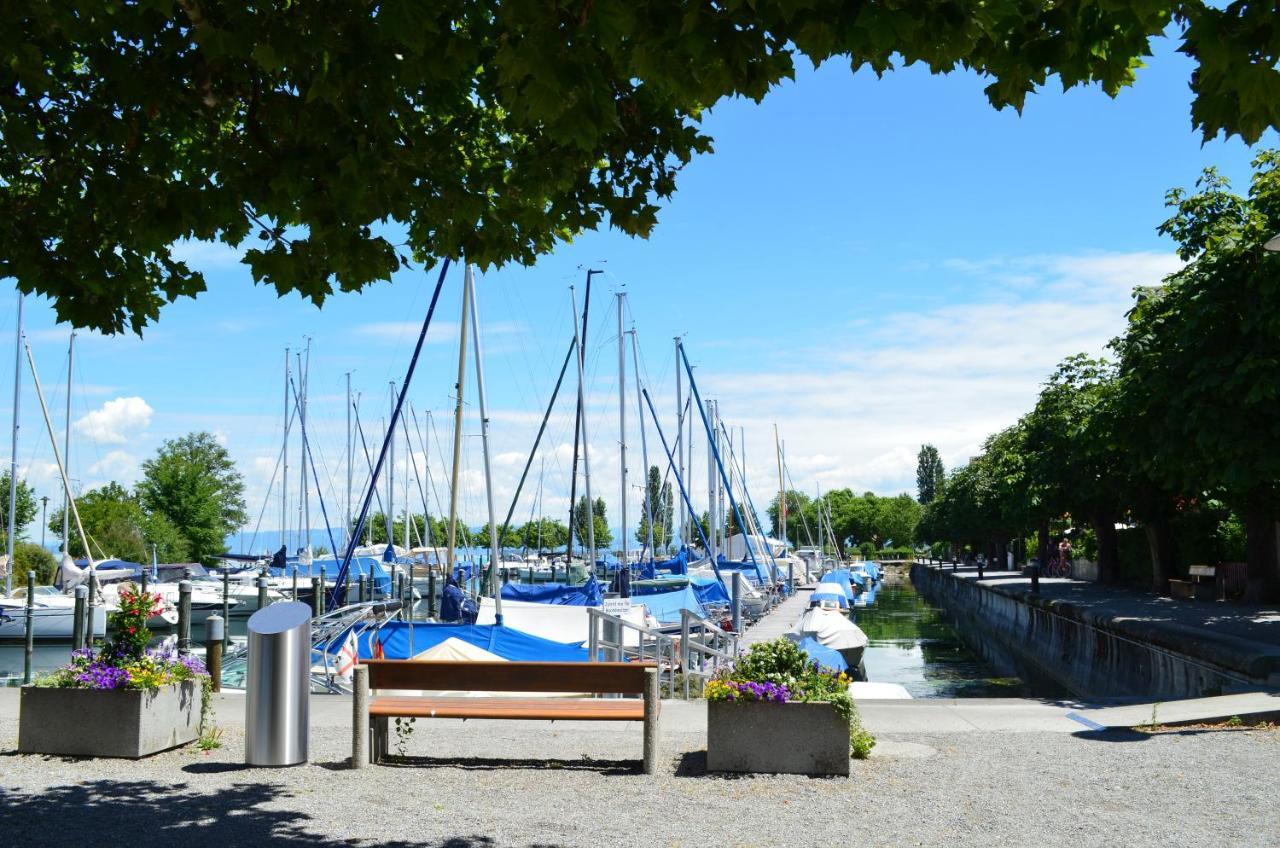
372, 712
1196, 588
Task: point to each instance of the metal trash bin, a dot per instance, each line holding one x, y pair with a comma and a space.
278, 685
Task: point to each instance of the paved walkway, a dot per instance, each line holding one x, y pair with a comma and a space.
779, 620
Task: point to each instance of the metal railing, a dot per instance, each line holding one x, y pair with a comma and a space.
700, 650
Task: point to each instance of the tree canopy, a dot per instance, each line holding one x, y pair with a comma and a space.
24, 507
930, 474
118, 526
193, 482
342, 139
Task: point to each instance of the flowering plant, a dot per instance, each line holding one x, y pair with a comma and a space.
781, 672
125, 662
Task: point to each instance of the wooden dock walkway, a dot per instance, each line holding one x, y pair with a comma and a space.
778, 620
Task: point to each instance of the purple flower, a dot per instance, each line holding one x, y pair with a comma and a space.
100, 676
193, 664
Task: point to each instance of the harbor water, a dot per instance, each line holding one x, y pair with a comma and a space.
912, 644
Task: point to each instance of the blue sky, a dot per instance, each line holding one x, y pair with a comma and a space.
869, 264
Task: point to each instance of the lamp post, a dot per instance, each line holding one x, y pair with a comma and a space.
44, 507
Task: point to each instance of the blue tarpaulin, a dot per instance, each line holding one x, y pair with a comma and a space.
756, 571
709, 590
822, 655
666, 606
679, 565
588, 594
845, 578
506, 642
818, 597
359, 566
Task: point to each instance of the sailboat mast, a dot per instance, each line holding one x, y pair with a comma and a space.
13, 453
408, 456
62, 469
495, 554
391, 470
684, 519
66, 447
582, 423
713, 483
284, 478
782, 490
644, 447
463, 328
304, 378
622, 425
349, 475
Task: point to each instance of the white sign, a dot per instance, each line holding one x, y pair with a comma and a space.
616, 606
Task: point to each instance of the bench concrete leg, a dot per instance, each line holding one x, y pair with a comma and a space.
380, 737
652, 705
360, 718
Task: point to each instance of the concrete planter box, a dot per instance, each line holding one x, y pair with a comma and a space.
771, 738
108, 723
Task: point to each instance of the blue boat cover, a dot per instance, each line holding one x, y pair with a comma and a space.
589, 594
829, 596
709, 590
751, 570
666, 606
506, 642
822, 655
360, 566
679, 565
845, 578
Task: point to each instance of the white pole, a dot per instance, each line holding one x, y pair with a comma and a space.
622, 422
304, 377
713, 485
391, 472
586, 461
644, 445
350, 529
66, 448
463, 328
13, 452
495, 554
284, 478
62, 469
684, 518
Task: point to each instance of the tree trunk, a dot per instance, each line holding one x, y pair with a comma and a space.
1042, 533
1160, 540
1104, 527
1260, 552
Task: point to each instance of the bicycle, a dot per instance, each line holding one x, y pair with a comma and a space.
1058, 566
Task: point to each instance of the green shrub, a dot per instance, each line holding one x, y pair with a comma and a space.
31, 557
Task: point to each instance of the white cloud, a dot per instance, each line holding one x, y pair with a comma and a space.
118, 465
116, 422
206, 255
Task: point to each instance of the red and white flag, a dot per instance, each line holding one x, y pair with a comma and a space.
348, 657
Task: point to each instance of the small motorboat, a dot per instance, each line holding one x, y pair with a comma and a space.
832, 629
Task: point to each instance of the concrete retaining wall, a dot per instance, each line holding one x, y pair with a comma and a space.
1089, 653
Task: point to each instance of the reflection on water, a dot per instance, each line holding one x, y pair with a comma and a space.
912, 644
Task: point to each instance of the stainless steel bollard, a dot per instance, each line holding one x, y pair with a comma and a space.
184, 617
278, 685
77, 626
737, 601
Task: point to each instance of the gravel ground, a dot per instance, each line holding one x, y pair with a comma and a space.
490, 784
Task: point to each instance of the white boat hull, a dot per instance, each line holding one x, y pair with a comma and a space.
51, 621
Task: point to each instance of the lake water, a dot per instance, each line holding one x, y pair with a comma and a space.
912, 644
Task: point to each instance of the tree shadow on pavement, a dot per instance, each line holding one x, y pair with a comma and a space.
148, 814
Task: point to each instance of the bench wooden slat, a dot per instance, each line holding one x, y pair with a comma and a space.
550, 709
600, 677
